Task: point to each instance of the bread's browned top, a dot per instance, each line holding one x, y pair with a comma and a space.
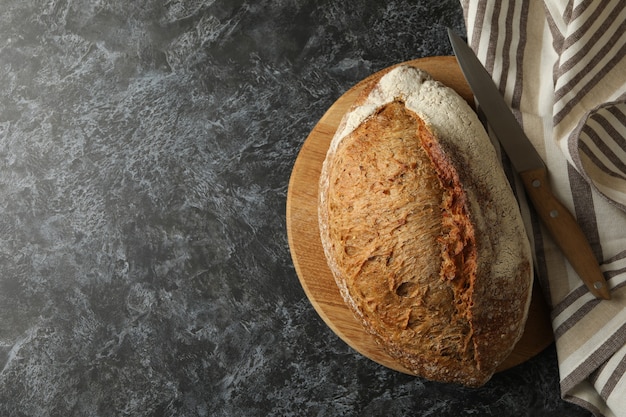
386, 213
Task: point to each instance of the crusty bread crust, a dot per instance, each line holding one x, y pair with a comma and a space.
422, 232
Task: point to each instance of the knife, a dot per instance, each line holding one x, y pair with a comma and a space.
561, 224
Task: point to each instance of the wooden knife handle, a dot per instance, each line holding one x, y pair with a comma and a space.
565, 231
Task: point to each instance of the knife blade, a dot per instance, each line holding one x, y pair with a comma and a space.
533, 172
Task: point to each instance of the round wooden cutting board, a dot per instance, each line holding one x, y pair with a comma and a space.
306, 248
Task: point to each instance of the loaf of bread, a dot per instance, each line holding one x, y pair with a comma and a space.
422, 232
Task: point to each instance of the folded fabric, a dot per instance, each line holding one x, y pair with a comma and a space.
561, 65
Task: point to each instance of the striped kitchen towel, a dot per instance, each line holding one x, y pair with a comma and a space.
561, 65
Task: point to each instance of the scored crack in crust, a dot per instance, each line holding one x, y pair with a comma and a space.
422, 232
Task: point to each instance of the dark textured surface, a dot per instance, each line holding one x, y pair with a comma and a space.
145, 152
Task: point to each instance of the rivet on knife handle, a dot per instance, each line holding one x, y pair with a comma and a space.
565, 231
